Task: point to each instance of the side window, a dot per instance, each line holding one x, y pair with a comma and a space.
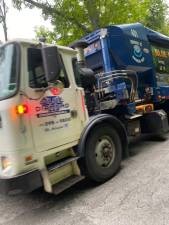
76, 72
37, 77
63, 75
35, 69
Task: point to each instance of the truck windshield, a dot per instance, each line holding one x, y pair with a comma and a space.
8, 70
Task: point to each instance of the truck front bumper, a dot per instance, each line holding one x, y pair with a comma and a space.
23, 183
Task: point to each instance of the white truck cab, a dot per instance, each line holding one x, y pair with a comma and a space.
46, 136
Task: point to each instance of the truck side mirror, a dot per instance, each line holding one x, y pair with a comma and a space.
51, 62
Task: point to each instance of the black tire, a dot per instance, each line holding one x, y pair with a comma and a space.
93, 170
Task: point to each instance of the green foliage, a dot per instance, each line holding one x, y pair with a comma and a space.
156, 16
73, 19
45, 33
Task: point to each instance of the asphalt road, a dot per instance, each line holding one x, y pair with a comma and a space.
137, 195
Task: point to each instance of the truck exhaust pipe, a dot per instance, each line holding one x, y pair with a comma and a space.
79, 46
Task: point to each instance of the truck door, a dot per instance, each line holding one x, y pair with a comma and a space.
54, 118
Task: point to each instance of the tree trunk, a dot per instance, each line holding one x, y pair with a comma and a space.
93, 13
5, 30
3, 11
4, 21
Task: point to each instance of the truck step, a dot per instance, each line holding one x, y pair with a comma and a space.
68, 182
61, 163
132, 117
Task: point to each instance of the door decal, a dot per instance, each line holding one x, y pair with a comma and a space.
52, 105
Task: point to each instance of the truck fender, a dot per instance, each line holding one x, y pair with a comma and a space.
104, 118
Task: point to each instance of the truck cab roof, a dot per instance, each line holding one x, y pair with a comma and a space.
36, 43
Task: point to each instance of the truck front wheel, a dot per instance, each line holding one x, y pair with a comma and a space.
103, 153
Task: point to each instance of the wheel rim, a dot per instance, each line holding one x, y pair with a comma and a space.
105, 151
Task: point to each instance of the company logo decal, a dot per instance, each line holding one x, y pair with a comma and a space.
137, 55
134, 33
52, 105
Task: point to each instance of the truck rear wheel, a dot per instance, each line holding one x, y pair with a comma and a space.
103, 153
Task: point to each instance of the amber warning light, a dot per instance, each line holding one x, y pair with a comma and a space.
21, 109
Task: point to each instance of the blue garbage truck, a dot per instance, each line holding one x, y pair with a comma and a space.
131, 66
